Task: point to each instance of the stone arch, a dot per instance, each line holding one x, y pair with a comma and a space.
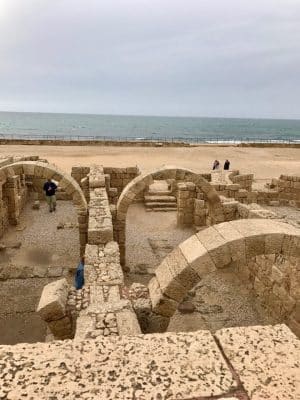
66, 182
138, 185
216, 247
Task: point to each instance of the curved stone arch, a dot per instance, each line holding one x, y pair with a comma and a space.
140, 183
216, 247
66, 182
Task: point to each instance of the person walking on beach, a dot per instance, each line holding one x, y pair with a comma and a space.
216, 164
227, 165
50, 189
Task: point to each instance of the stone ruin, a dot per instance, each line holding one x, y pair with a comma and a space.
108, 340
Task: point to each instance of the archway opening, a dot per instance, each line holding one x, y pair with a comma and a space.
37, 246
260, 255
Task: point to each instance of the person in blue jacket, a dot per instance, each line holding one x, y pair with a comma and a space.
79, 276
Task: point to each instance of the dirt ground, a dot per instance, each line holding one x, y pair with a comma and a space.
43, 245
265, 163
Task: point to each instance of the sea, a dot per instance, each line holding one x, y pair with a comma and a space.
17, 125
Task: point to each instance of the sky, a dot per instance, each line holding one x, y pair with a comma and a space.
215, 58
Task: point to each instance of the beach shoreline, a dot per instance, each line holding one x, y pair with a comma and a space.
264, 162
146, 143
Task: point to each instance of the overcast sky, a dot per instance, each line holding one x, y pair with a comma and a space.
232, 58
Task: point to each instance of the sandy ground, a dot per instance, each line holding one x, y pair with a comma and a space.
265, 163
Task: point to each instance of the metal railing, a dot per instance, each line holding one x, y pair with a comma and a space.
165, 139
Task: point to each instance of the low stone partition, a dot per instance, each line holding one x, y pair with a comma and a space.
100, 228
252, 363
108, 312
32, 272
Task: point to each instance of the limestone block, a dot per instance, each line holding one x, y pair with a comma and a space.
91, 254
268, 354
160, 303
175, 276
168, 283
197, 256
127, 323
52, 305
61, 328
216, 246
235, 241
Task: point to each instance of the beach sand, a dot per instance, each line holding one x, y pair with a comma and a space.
265, 163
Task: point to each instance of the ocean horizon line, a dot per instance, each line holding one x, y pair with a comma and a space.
151, 115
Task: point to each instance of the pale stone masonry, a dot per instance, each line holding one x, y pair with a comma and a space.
238, 243
9, 174
100, 308
141, 182
108, 357
252, 363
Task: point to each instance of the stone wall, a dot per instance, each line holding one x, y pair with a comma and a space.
13, 195
276, 281
289, 189
99, 309
192, 209
282, 191
120, 177
244, 180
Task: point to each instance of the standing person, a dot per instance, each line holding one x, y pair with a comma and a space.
227, 165
50, 189
216, 164
79, 276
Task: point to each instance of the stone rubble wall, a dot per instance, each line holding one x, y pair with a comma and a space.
100, 227
282, 191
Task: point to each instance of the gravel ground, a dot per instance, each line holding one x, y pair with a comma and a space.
288, 214
221, 300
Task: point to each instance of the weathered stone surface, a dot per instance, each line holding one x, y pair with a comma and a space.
52, 305
187, 365
266, 359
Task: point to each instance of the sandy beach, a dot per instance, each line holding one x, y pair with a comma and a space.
265, 163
